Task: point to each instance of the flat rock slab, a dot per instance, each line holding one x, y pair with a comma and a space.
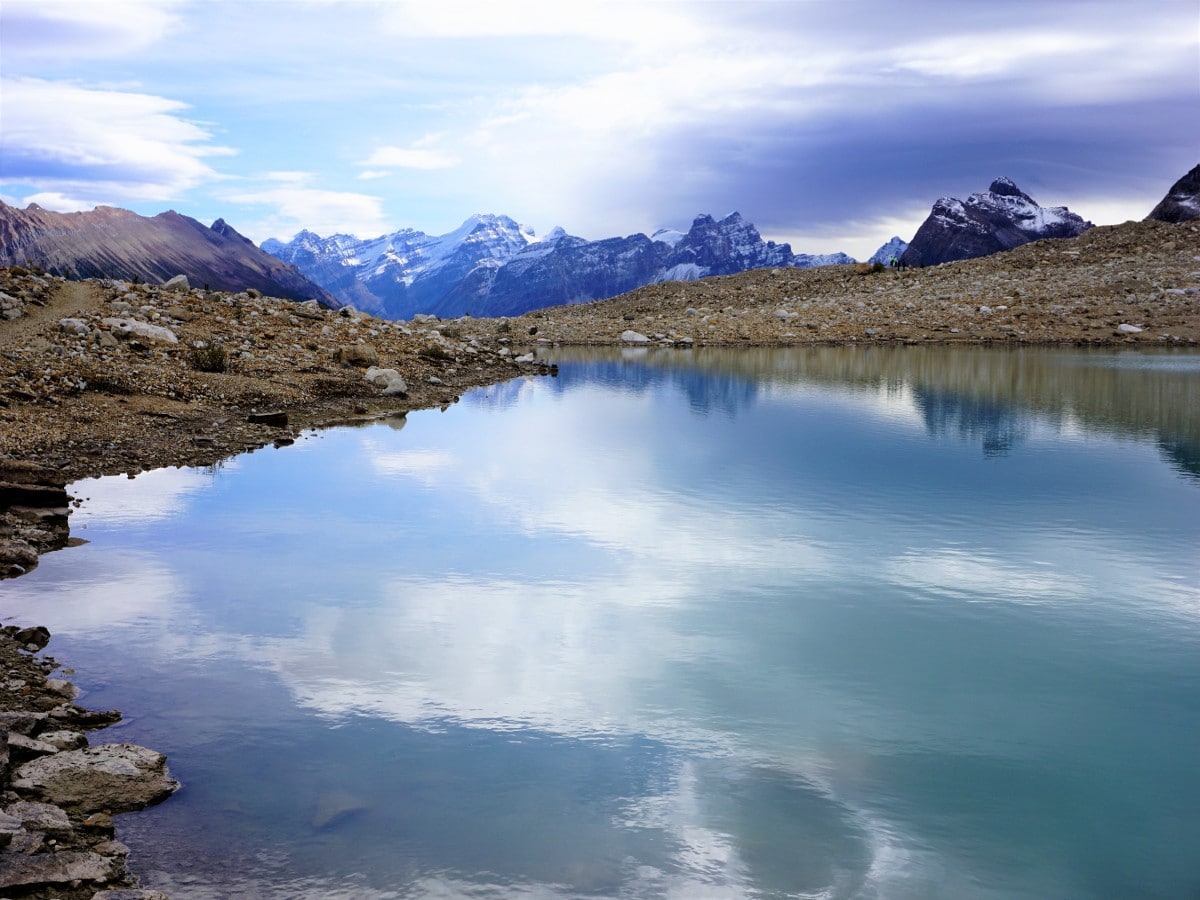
64, 867
40, 817
112, 777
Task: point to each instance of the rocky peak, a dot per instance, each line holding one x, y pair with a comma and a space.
1182, 202
1005, 187
226, 230
1000, 218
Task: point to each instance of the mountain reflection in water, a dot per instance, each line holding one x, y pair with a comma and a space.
984, 395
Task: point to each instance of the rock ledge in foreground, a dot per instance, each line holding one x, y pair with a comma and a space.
109, 778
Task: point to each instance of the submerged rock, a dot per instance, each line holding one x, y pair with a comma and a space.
334, 807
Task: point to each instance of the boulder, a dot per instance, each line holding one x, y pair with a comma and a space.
131, 328
361, 355
74, 326
21, 721
38, 636
65, 740
21, 747
389, 379
633, 337
274, 418
113, 777
178, 283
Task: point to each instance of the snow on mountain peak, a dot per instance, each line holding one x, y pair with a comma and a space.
668, 236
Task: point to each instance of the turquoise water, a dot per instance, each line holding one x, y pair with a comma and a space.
837, 623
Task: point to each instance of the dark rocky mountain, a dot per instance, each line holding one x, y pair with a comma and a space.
998, 219
1182, 202
116, 243
491, 266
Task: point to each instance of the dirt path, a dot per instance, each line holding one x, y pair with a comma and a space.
72, 299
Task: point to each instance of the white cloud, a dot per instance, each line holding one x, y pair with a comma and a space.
158, 494
422, 465
414, 157
624, 22
89, 144
1014, 52
295, 206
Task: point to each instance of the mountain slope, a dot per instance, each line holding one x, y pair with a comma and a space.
1182, 203
116, 243
1000, 218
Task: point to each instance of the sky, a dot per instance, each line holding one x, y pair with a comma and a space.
829, 125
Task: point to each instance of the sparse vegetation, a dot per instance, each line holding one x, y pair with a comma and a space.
209, 356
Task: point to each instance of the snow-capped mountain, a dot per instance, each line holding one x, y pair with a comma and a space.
408, 271
492, 266
1000, 218
893, 249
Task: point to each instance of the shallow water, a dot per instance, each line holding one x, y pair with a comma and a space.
844, 623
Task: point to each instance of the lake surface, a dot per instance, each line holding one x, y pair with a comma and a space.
836, 623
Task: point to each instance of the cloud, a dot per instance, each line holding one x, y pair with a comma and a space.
99, 145
154, 495
295, 206
415, 157
620, 22
54, 29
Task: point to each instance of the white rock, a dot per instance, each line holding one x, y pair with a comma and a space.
136, 328
524, 358
630, 336
1126, 328
73, 326
389, 379
178, 283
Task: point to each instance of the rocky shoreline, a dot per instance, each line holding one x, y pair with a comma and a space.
58, 794
106, 377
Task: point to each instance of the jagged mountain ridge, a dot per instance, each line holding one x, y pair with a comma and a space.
998, 219
492, 266
107, 242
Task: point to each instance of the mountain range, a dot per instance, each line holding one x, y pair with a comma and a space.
107, 242
493, 266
